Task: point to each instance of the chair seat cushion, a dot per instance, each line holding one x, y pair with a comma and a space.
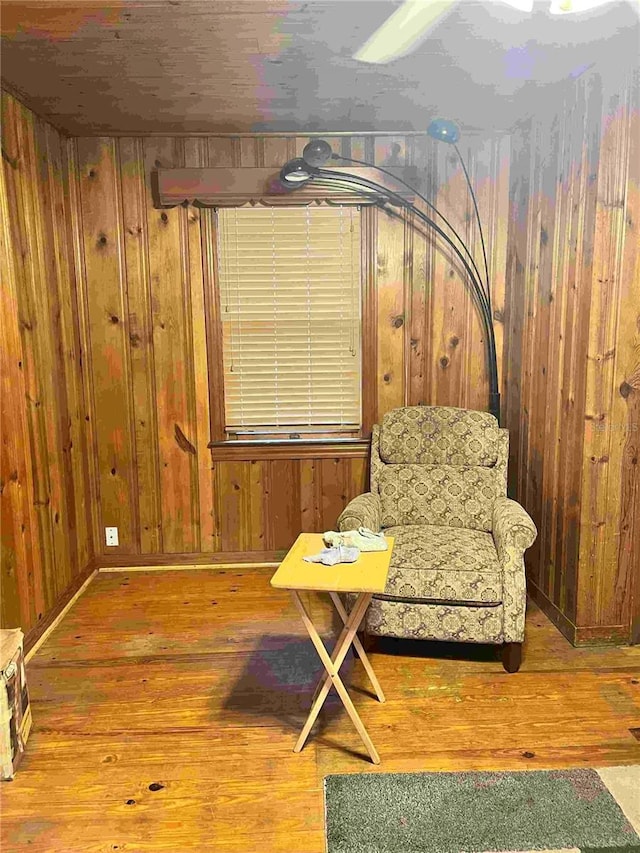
440, 564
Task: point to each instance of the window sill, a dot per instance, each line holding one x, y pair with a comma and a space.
249, 450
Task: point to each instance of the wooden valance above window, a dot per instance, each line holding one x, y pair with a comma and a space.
231, 187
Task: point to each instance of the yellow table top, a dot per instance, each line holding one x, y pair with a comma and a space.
367, 574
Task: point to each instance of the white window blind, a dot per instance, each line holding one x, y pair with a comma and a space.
290, 307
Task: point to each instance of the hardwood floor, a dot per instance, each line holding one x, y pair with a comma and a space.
166, 706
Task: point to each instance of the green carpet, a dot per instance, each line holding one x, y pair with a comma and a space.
477, 812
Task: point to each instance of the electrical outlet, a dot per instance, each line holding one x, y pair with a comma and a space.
111, 535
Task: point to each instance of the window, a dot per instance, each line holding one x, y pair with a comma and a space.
290, 305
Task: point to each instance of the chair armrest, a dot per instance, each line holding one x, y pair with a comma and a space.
513, 533
512, 527
363, 511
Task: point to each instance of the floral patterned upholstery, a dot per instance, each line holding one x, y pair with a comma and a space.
513, 533
363, 511
439, 435
438, 485
449, 495
377, 465
439, 564
434, 621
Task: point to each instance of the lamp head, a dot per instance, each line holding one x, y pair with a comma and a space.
295, 173
316, 153
444, 131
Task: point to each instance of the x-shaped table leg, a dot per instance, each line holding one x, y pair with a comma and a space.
332, 665
357, 645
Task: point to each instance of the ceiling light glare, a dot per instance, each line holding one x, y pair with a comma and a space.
573, 7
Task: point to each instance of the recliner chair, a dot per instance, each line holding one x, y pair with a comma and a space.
439, 486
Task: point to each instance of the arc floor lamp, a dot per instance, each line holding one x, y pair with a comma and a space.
310, 168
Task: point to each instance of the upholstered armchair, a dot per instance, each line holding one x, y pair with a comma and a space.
439, 486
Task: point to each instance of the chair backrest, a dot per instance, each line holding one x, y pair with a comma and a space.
439, 465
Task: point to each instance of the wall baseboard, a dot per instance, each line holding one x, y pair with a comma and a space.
578, 635
105, 562
552, 612
186, 567
39, 633
599, 635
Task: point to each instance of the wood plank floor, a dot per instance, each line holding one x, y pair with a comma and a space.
166, 706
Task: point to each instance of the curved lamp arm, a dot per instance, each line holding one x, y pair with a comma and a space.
396, 199
318, 151
449, 132
478, 220
304, 173
429, 205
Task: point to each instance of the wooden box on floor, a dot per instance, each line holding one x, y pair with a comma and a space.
15, 710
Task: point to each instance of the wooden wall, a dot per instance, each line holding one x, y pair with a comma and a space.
146, 278
573, 354
46, 538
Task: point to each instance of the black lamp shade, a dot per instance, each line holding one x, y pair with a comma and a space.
443, 130
316, 153
295, 172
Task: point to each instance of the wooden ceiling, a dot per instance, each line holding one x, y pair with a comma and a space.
190, 66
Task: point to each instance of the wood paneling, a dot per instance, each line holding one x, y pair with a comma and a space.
46, 529
573, 353
148, 281
610, 478
220, 744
